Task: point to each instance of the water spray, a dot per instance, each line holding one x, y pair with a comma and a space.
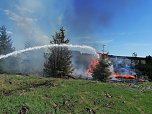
50, 46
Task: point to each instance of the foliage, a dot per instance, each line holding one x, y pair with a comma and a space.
5, 41
5, 48
58, 59
146, 69
102, 71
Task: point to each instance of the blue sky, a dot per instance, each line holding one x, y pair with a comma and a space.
125, 26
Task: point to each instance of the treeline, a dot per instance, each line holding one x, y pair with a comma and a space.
56, 61
6, 47
145, 69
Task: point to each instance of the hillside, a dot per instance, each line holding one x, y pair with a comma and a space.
40, 95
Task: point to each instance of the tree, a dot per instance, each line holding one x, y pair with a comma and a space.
146, 69
5, 41
5, 48
102, 71
58, 59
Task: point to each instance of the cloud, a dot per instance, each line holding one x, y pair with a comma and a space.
89, 16
30, 6
18, 18
104, 41
60, 20
27, 25
9, 32
24, 9
99, 42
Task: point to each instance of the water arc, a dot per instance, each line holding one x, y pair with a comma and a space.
50, 46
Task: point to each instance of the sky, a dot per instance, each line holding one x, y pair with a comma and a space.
124, 26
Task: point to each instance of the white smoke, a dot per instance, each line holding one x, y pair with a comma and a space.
23, 16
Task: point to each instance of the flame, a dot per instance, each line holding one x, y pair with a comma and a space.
127, 76
91, 66
95, 61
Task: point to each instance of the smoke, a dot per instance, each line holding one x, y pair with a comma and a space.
88, 17
123, 66
80, 63
85, 16
31, 62
23, 16
79, 17
36, 18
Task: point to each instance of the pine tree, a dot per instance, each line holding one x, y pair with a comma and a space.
5, 41
58, 59
5, 48
101, 72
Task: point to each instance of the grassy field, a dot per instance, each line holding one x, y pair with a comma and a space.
38, 95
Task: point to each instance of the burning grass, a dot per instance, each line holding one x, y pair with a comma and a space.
48, 95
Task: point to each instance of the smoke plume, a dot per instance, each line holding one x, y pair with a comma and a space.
86, 17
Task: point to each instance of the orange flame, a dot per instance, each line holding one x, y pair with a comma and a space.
95, 61
91, 66
127, 76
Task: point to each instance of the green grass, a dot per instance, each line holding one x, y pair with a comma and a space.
58, 96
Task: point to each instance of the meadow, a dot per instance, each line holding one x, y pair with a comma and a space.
40, 95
